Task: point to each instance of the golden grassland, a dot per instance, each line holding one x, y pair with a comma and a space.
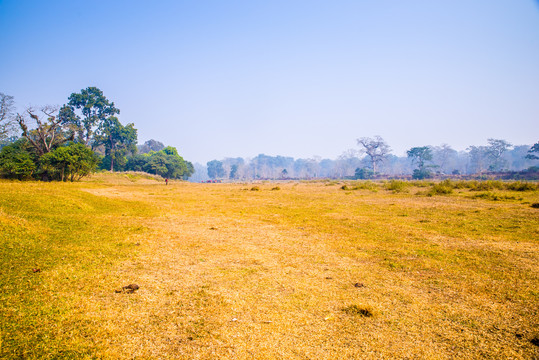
294, 270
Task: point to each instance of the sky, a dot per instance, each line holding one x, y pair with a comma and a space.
298, 78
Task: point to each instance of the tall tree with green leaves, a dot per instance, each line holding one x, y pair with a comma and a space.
117, 139
94, 107
533, 150
215, 169
420, 155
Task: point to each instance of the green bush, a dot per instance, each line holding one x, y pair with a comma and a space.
521, 186
397, 186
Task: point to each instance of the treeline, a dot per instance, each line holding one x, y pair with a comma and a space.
373, 158
72, 141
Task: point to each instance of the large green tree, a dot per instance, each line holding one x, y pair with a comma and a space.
169, 164
69, 162
215, 169
420, 155
17, 161
118, 141
94, 107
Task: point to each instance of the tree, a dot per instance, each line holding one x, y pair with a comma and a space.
478, 156
49, 130
94, 107
233, 171
376, 148
215, 169
363, 173
150, 145
7, 106
168, 163
69, 162
533, 149
442, 156
495, 149
117, 139
419, 156
16, 161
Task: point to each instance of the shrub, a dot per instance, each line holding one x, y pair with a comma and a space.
521, 186
361, 185
443, 188
255, 188
397, 186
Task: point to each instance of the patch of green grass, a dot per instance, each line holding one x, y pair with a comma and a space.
55, 240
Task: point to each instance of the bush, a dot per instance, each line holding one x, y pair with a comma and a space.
361, 185
397, 186
421, 174
443, 188
521, 186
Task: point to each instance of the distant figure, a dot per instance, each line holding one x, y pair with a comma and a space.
166, 181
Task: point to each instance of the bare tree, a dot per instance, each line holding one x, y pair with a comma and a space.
48, 131
442, 154
376, 148
6, 115
496, 148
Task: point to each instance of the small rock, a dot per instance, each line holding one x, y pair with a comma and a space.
359, 285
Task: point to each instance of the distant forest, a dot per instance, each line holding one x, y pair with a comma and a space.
85, 135
373, 159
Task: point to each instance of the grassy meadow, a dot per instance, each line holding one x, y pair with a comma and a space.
290, 270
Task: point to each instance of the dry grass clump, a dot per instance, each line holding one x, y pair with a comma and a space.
361, 185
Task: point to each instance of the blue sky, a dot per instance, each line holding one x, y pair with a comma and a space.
297, 78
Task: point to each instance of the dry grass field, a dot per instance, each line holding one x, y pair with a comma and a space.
295, 270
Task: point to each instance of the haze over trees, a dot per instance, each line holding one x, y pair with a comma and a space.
376, 148
419, 162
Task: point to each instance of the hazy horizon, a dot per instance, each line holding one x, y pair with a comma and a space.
298, 79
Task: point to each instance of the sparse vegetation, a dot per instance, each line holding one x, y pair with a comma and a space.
397, 186
226, 273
